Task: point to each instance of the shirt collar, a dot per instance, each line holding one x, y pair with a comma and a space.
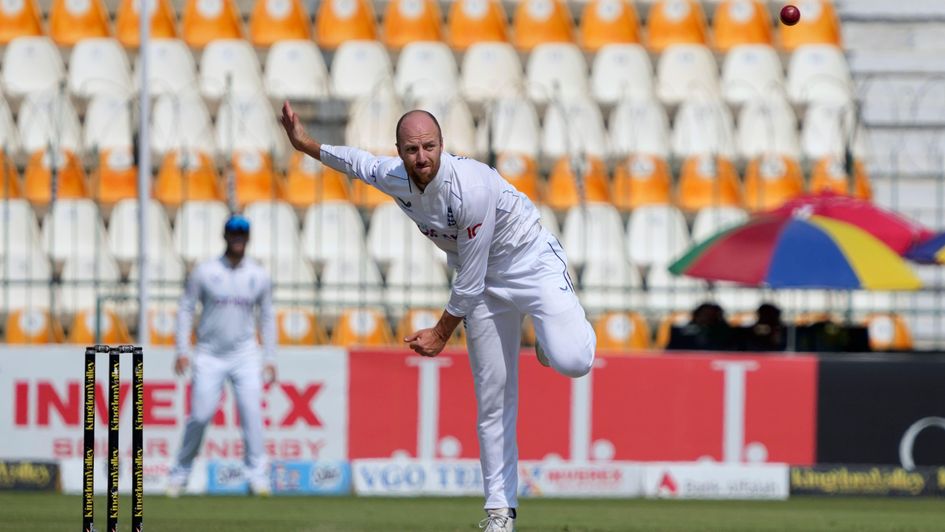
446, 162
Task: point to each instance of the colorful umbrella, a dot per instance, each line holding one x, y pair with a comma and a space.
932, 251
897, 232
781, 251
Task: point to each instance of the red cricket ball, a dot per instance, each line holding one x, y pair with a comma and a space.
790, 15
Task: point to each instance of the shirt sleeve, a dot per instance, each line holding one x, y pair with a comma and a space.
352, 161
476, 227
267, 321
185, 311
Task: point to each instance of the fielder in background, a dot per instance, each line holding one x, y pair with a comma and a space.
507, 266
231, 289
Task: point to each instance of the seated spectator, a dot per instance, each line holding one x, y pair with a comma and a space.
768, 333
706, 331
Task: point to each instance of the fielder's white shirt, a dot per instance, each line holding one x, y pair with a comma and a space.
468, 210
229, 296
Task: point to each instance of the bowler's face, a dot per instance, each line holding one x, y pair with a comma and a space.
420, 146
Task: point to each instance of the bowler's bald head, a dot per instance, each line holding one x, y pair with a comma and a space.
416, 122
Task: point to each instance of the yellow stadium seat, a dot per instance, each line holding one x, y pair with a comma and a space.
112, 329
308, 182
665, 328
473, 21
888, 332
255, 178
622, 331
674, 22
770, 180
708, 182
9, 179
541, 21
338, 21
562, 190
163, 25
406, 21
365, 196
819, 24
19, 19
739, 22
608, 22
522, 172
33, 326
830, 175
37, 181
278, 20
415, 319
187, 178
299, 326
116, 177
162, 324
72, 21
209, 20
361, 327
641, 180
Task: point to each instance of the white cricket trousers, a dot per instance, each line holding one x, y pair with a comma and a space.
537, 285
244, 371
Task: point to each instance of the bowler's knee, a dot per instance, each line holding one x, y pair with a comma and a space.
575, 358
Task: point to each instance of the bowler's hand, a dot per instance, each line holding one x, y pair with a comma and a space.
181, 365
269, 373
426, 342
293, 128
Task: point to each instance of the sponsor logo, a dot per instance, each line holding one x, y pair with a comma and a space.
29, 476
864, 480
406, 204
450, 219
471, 231
716, 481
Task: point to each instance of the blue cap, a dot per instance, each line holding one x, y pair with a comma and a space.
236, 224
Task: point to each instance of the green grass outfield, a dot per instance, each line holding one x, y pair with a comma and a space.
30, 512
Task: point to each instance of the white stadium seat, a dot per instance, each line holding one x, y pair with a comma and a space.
393, 237
611, 284
31, 65
819, 74
750, 72
456, 120
293, 279
656, 234
19, 229
9, 136
274, 230
295, 70
359, 68
711, 220
181, 121
703, 126
333, 230
229, 66
514, 128
556, 71
684, 70
108, 123
639, 126
85, 278
826, 131
30, 274
767, 126
416, 284
350, 283
573, 128
246, 122
621, 72
48, 119
668, 293
166, 276
593, 232
123, 231
97, 67
171, 68
198, 230
491, 70
424, 70
372, 121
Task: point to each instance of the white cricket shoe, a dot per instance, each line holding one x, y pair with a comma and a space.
260, 489
499, 520
174, 489
542, 357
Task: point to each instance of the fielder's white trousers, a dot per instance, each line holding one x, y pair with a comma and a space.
539, 286
244, 371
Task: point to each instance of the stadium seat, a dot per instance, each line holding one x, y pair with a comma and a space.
751, 72
819, 24
593, 233
20, 19
171, 68
475, 21
667, 292
332, 231
307, 182
10, 187
622, 331
456, 119
48, 120
829, 131
606, 22
31, 65
71, 21
741, 22
573, 128
27, 267
708, 181
275, 230
107, 124
198, 230
420, 283
208, 20
295, 70
712, 220
830, 175
163, 21
360, 68
656, 234
639, 127
767, 126
278, 20
563, 191
299, 326
99, 67
771, 180
361, 327
293, 278
703, 126
556, 72
33, 326
425, 70
522, 172
254, 178
107, 328
166, 276
888, 332
184, 176
229, 66
819, 74
71, 182
610, 283
407, 21
490, 71
87, 277
549, 220
340, 21
162, 324
9, 136
416, 319
349, 283
246, 122
675, 22
115, 178
621, 72
540, 22
20, 228
641, 180
123, 239
372, 122
181, 122
684, 70
393, 237
512, 127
